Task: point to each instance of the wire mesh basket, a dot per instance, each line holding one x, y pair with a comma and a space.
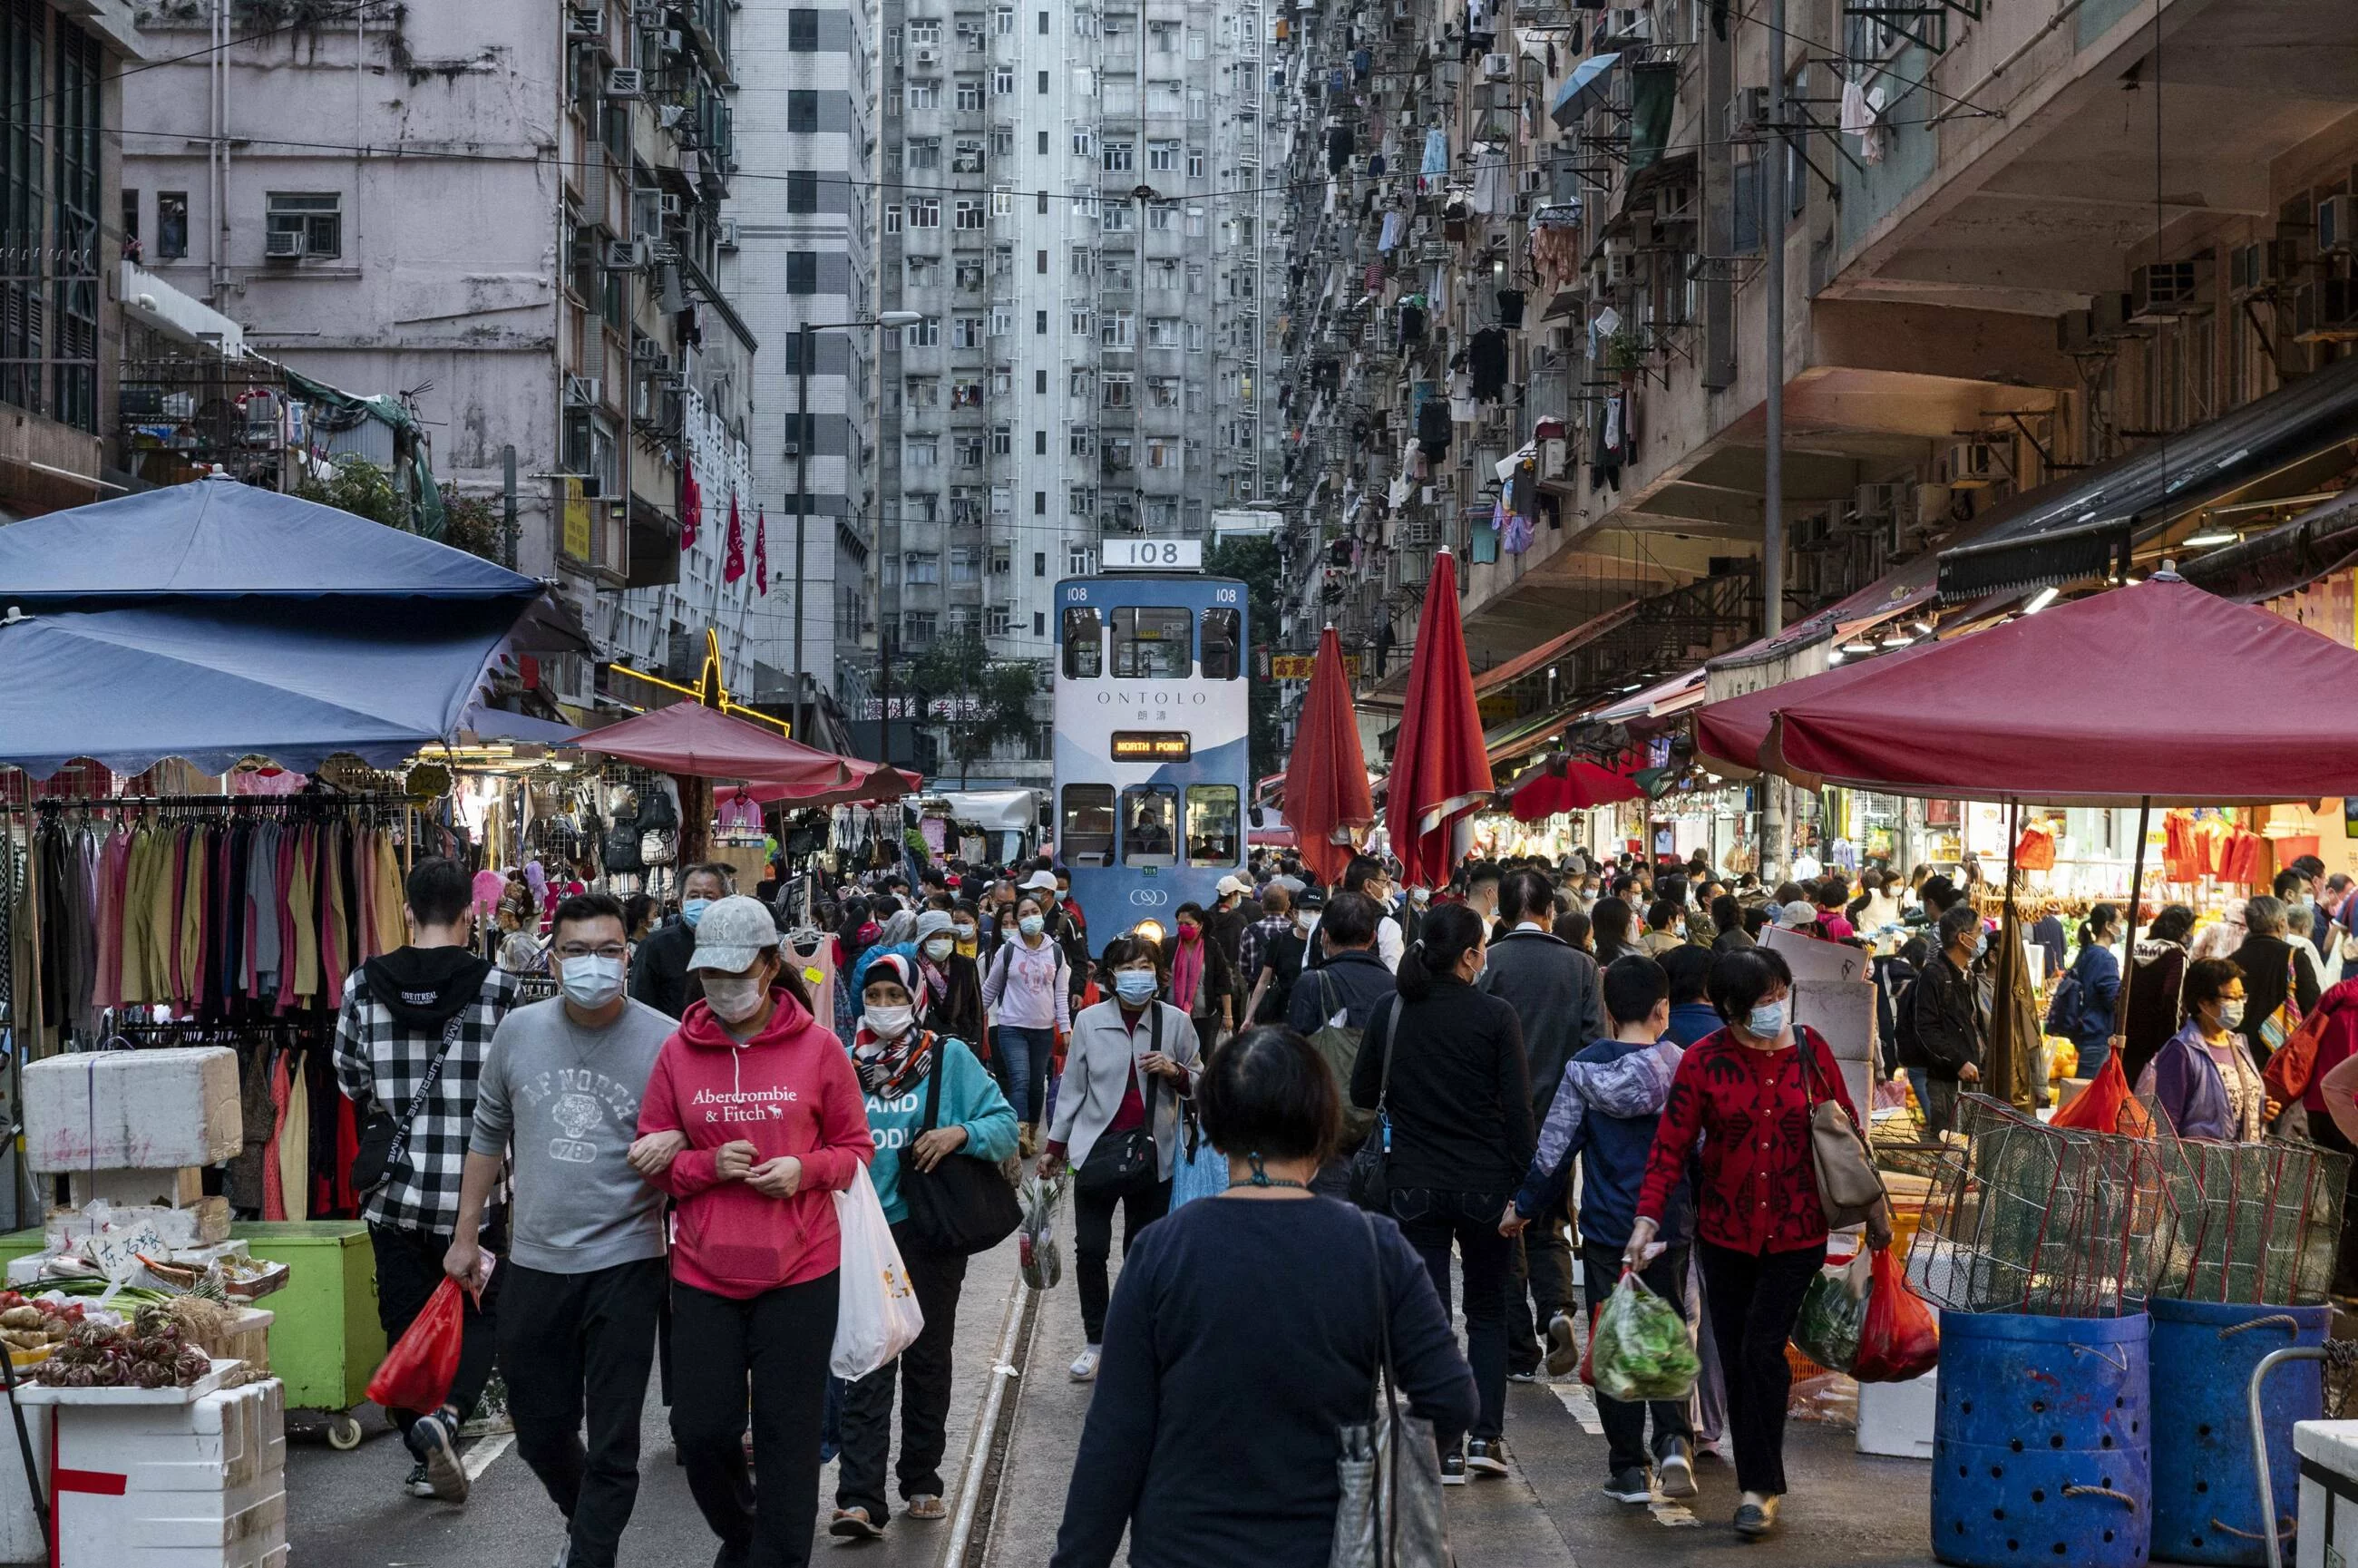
2249, 1224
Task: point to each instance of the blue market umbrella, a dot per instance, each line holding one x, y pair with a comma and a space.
1582, 89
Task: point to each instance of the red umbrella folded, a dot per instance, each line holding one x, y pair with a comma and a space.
1439, 771
1326, 778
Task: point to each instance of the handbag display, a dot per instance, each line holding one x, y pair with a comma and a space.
384, 1142
963, 1205
658, 846
1123, 1162
1371, 1186
1849, 1186
1389, 1515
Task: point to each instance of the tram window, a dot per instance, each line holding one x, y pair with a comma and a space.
1212, 825
1219, 644
1087, 836
1151, 644
1148, 822
1084, 649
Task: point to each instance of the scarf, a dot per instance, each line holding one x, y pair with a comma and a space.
886, 1068
938, 983
1187, 970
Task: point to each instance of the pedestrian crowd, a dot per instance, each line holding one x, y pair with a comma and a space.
1513, 1091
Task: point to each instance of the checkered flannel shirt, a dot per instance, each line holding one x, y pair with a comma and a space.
1252, 946
378, 1062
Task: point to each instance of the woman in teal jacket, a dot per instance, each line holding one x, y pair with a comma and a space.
897, 1058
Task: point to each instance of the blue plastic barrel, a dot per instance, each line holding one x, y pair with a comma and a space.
2042, 1445
2206, 1491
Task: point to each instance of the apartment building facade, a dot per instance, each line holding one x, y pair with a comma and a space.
1075, 204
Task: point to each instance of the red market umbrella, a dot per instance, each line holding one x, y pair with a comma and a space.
871, 782
1567, 784
1326, 777
2159, 691
1734, 729
703, 742
1439, 771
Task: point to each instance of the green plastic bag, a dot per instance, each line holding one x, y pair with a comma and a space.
1642, 1350
1833, 1312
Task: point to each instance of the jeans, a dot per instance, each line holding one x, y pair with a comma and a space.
1938, 1099
777, 1344
2093, 1053
1624, 1424
1433, 1223
581, 1344
1092, 1242
924, 1374
408, 1271
1026, 1052
1755, 1298
1543, 1276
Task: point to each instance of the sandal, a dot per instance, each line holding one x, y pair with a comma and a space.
927, 1506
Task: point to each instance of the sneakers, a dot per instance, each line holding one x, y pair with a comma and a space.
1524, 1375
1562, 1354
1675, 1467
1756, 1516
853, 1524
1487, 1457
434, 1440
1452, 1468
418, 1485
1630, 1486
1085, 1364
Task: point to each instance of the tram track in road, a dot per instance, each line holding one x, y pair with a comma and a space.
981, 1483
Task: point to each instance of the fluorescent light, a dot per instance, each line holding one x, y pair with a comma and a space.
1858, 645
2202, 541
2040, 601
1897, 640
1924, 628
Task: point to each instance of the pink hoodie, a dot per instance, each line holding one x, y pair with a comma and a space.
789, 1090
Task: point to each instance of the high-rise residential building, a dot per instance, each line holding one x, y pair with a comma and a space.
1074, 203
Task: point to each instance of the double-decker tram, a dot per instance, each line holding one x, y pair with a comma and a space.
1151, 757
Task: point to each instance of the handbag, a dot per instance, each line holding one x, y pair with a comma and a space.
963, 1205
1123, 1162
658, 846
2278, 1026
2292, 1065
1390, 1513
384, 1142
1371, 1186
1849, 1186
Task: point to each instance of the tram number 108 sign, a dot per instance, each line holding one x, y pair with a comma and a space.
1153, 555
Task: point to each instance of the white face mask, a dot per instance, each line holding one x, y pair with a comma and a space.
591, 980
734, 999
2230, 1014
938, 947
889, 1023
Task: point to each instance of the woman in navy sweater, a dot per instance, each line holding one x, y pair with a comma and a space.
1244, 1335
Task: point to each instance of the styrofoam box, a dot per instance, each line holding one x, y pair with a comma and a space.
204, 1483
1842, 1011
132, 1110
1897, 1418
204, 1223
2327, 1448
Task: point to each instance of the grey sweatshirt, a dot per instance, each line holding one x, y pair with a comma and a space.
567, 1097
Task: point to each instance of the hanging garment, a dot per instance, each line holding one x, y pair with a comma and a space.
1436, 152
1485, 360
1493, 195
1876, 142
1395, 230
274, 1170
294, 1141
1510, 307
1433, 429
1338, 149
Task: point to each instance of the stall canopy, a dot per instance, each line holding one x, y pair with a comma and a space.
1439, 771
1326, 796
874, 786
1567, 783
704, 743
2158, 691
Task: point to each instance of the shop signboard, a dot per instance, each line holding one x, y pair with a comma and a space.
576, 520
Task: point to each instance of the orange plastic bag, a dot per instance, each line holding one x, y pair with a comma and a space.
418, 1371
2106, 1105
1901, 1339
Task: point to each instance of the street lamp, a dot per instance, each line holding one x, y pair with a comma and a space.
803, 433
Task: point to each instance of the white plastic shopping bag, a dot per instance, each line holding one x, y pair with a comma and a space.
877, 1316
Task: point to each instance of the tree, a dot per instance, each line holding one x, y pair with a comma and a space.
1254, 560
358, 486
975, 701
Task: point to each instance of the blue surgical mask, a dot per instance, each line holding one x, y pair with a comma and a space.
1032, 925
1766, 1022
1135, 987
693, 911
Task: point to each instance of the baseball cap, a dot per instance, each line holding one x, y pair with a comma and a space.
1039, 882
1799, 913
1227, 885
733, 933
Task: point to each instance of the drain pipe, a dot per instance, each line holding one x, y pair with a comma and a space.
1964, 101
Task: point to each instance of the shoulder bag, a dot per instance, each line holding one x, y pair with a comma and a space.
1390, 1513
963, 1205
1849, 1187
1338, 1044
384, 1142
1371, 1186
1126, 1161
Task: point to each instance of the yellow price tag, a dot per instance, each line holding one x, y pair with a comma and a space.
814, 975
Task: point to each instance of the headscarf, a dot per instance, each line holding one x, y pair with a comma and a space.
886, 1067
1187, 969
932, 923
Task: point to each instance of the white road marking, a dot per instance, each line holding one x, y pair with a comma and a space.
478, 1458
1581, 1403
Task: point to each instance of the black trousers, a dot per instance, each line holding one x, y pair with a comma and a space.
924, 1374
779, 1343
577, 1345
1754, 1299
1433, 1223
1543, 1288
1092, 1242
1625, 1424
408, 1271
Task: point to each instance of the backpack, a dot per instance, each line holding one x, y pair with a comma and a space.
1338, 1047
1283, 956
656, 808
2067, 1009
621, 855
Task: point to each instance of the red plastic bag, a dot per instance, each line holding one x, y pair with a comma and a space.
2106, 1105
418, 1371
1901, 1339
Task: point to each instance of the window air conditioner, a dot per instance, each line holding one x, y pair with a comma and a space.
584, 22
1879, 503
2336, 223
624, 82
670, 206
2163, 291
1972, 464
283, 244
727, 233
1627, 23
1496, 66
580, 391
624, 255
2258, 267
924, 55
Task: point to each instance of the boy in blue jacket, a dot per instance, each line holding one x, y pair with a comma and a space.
1605, 1112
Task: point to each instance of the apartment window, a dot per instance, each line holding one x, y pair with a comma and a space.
317, 216
1039, 624
1084, 201
1163, 273
926, 35
1002, 440
921, 154
802, 272
171, 224
1077, 320
1002, 324
802, 108
1161, 217
1194, 222
1194, 163
923, 334
1120, 158
1039, 504
921, 568
972, 214
1077, 383
925, 212
1162, 38
1162, 391
1084, 141
1116, 218
1085, 82
1162, 453
971, 34
1083, 261
1121, 389
1040, 327
997, 620
802, 190
1116, 330
965, 564
1006, 18
969, 94
1197, 45
1194, 336
802, 31
1040, 443
1044, 24
1041, 198
1161, 332
924, 391
967, 332
1199, 106
917, 627
892, 218
1080, 441
1161, 158
924, 95
969, 275
1040, 377
922, 270
1002, 81
1079, 501
1002, 142
1039, 563
1119, 273
1043, 84
921, 454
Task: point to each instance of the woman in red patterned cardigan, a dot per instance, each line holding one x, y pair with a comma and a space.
1745, 1091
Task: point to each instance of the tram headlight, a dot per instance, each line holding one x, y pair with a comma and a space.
1149, 929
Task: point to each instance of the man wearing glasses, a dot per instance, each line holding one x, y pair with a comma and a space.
585, 1268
